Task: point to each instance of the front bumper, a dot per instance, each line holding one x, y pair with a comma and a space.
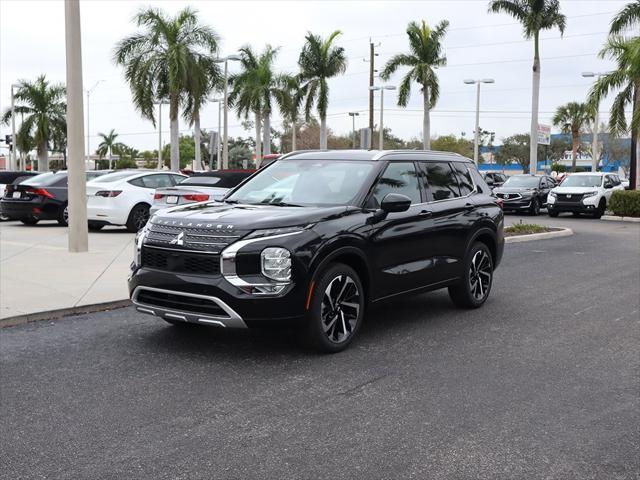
225, 304
571, 207
516, 205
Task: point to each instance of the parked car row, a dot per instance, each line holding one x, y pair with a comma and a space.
122, 198
578, 193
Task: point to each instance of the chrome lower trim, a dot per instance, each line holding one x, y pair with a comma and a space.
233, 320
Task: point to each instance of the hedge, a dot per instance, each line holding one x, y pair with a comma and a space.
625, 203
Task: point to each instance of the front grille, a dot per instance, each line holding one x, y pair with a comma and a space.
199, 237
180, 303
569, 197
180, 262
509, 196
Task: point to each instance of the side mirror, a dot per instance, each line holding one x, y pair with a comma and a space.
608, 185
395, 202
489, 182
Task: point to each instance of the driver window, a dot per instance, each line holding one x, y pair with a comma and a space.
399, 177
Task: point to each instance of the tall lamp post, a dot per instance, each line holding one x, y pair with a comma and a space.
225, 144
160, 103
89, 91
12, 152
476, 140
353, 116
595, 147
382, 88
218, 144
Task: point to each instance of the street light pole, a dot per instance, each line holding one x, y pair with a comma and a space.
353, 116
381, 133
88, 152
595, 147
77, 203
12, 153
476, 141
160, 103
225, 143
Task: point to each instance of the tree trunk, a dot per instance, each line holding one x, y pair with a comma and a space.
110, 159
43, 157
574, 150
634, 164
266, 134
323, 132
196, 139
293, 135
426, 119
175, 133
535, 100
258, 140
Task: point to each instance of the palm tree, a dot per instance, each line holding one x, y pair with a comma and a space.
625, 79
626, 18
534, 15
43, 107
425, 55
204, 80
320, 60
108, 145
160, 62
571, 118
289, 101
253, 91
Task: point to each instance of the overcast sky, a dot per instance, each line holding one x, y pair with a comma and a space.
477, 45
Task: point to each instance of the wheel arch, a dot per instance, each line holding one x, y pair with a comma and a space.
487, 236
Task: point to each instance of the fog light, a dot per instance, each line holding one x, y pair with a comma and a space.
276, 263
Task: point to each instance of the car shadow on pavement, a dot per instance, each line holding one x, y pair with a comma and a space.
391, 319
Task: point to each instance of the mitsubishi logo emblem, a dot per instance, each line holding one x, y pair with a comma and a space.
179, 240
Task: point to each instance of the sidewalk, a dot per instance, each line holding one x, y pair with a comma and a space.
37, 273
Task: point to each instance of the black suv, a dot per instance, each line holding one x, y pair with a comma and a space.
525, 193
316, 237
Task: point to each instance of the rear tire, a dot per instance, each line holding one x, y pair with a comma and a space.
138, 218
475, 285
30, 220
336, 310
63, 215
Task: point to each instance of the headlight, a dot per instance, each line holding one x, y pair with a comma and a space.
137, 246
589, 194
276, 263
553, 194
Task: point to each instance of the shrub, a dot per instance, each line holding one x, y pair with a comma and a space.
525, 229
625, 203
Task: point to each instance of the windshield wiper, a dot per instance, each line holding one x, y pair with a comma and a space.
282, 204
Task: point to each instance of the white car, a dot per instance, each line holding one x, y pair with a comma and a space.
583, 193
124, 197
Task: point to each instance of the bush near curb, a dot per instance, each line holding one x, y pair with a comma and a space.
625, 203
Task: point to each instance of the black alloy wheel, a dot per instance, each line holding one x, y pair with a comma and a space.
336, 309
535, 207
475, 286
138, 218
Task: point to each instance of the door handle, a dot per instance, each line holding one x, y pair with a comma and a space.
425, 213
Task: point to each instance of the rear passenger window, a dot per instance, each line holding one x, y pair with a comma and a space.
464, 178
399, 177
442, 180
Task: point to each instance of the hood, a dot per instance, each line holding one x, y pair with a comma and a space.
513, 190
246, 217
574, 189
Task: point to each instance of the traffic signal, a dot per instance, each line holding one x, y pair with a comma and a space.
8, 139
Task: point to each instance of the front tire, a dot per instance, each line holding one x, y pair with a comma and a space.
602, 206
138, 218
552, 213
336, 310
475, 286
534, 209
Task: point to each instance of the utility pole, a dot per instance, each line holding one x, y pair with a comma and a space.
77, 208
12, 152
595, 147
160, 102
88, 152
382, 88
476, 141
372, 70
225, 97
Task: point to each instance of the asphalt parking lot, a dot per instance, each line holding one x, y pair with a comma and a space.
542, 382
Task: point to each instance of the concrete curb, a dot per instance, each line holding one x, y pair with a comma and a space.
615, 218
565, 232
62, 312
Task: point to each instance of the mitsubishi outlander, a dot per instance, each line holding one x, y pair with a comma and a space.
317, 237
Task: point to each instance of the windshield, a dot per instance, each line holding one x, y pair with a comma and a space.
305, 182
582, 181
114, 177
525, 181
